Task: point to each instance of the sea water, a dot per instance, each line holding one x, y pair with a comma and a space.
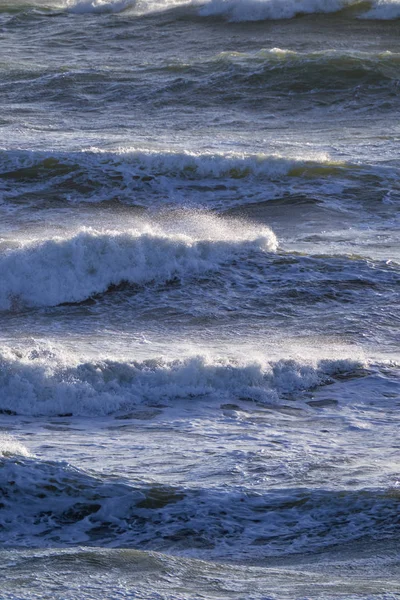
199, 299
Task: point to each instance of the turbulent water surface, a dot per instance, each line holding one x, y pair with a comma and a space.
199, 299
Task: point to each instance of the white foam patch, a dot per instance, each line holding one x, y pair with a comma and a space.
9, 446
42, 382
73, 268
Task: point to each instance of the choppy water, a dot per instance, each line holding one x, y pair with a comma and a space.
199, 299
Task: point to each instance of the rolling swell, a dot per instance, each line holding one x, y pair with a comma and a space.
305, 72
73, 269
47, 503
45, 383
281, 71
242, 78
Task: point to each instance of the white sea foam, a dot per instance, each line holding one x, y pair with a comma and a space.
9, 446
46, 383
76, 267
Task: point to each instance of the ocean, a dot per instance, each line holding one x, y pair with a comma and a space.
199, 299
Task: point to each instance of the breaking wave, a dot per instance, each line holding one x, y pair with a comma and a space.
44, 383
72, 269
